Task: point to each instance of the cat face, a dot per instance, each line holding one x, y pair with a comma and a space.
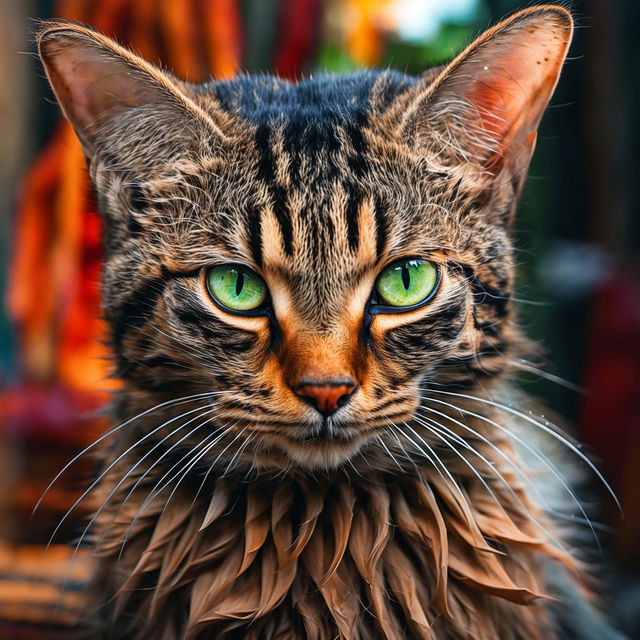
313, 253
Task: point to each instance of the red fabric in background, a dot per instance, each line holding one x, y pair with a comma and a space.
610, 420
297, 30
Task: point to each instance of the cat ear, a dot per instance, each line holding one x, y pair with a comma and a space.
95, 79
485, 106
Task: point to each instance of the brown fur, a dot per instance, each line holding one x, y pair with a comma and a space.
367, 555
229, 507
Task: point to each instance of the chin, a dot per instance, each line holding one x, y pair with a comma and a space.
313, 454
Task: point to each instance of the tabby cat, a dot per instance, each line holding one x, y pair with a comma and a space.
308, 288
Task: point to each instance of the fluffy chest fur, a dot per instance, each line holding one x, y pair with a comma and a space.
308, 288
404, 553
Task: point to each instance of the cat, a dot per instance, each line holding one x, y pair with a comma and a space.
308, 288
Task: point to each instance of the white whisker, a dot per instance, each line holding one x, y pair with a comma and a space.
544, 428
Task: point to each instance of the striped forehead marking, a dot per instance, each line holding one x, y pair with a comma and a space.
313, 157
266, 172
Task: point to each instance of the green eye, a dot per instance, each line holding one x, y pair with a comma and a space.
236, 287
407, 283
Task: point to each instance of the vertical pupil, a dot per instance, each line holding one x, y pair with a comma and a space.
239, 282
406, 278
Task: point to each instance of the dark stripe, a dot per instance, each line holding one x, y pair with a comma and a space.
296, 138
136, 309
353, 229
152, 383
470, 373
138, 202
255, 235
265, 167
380, 215
229, 340
484, 294
158, 361
282, 215
133, 369
141, 304
425, 337
137, 197
357, 161
172, 274
387, 403
248, 406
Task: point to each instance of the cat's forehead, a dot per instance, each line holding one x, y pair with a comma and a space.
259, 98
318, 195
310, 189
313, 156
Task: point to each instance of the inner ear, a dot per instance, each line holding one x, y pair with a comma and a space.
95, 79
489, 101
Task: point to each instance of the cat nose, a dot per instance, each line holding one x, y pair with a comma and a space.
327, 396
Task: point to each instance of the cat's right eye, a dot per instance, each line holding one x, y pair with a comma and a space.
406, 284
236, 288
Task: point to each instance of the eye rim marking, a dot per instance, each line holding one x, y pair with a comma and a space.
262, 310
374, 308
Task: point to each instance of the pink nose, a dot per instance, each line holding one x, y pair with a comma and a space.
327, 396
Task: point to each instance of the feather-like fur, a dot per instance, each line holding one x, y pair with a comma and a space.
387, 558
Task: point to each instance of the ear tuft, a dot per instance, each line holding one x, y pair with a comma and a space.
492, 96
95, 79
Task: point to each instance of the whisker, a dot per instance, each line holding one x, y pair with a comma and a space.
154, 492
393, 458
236, 456
148, 471
439, 461
544, 428
502, 479
103, 473
527, 366
113, 491
186, 468
394, 429
488, 442
168, 403
433, 429
550, 466
73, 558
198, 458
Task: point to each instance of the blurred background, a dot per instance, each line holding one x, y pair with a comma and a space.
578, 236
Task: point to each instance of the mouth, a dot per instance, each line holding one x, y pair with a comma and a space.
319, 453
327, 429
316, 443
325, 445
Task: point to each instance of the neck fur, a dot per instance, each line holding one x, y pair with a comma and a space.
432, 552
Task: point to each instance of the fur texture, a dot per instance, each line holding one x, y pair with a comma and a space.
230, 507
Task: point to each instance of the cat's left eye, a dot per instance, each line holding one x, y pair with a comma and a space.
236, 288
406, 284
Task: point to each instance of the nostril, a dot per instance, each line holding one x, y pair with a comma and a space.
327, 396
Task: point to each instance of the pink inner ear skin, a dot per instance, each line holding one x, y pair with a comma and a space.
507, 97
78, 79
89, 84
513, 81
506, 79
94, 79
96, 88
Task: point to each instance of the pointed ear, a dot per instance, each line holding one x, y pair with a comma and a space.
486, 105
95, 79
